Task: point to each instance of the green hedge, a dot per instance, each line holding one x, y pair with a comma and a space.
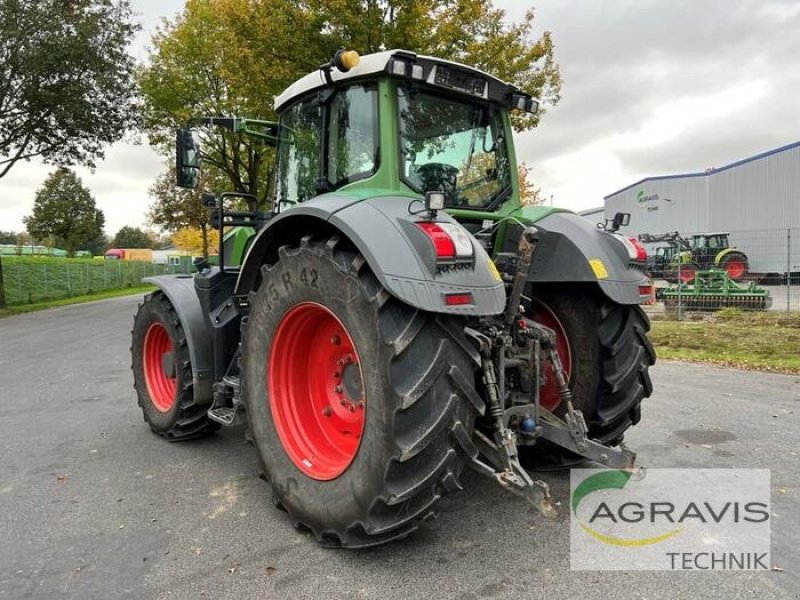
36, 278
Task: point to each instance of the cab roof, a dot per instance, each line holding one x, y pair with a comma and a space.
371, 64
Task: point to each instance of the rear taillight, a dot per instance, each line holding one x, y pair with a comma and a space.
442, 243
636, 252
458, 299
450, 241
641, 253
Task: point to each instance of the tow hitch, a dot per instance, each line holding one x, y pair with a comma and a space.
518, 418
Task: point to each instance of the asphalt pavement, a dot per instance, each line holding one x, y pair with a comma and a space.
93, 505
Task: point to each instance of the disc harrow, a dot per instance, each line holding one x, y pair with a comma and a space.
713, 290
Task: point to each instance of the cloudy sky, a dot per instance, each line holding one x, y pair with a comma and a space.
650, 88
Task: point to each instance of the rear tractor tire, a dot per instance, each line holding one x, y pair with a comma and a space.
735, 265
162, 372
359, 405
604, 347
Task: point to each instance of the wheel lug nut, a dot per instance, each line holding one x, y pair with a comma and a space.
340, 362
351, 408
337, 389
327, 411
336, 340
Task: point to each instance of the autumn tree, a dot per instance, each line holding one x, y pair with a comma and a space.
232, 57
132, 237
528, 192
188, 76
65, 211
176, 209
66, 79
195, 240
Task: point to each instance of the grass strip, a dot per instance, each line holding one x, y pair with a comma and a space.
757, 341
105, 294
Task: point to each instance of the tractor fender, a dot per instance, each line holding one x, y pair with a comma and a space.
718, 258
399, 253
571, 249
179, 290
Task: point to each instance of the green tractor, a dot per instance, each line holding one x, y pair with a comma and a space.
396, 314
712, 251
682, 258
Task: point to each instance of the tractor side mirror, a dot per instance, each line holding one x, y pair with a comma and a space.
187, 159
622, 219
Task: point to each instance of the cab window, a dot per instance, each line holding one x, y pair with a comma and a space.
348, 119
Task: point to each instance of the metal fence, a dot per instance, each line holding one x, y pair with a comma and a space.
30, 280
760, 271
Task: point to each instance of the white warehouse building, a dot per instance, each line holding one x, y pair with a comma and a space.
756, 200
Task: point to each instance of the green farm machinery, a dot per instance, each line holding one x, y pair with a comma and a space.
681, 258
712, 290
394, 314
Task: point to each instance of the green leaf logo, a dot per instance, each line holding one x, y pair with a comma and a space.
599, 481
605, 481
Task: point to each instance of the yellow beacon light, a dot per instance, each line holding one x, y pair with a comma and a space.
346, 60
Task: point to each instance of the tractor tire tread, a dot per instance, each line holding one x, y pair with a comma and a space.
425, 464
191, 420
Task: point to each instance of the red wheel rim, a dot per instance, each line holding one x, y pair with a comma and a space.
549, 396
315, 391
687, 274
160, 386
735, 268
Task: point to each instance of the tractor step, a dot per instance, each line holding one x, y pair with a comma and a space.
225, 415
227, 392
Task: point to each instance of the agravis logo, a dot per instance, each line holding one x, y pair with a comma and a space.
642, 199
670, 519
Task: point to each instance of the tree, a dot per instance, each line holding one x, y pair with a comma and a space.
161, 239
195, 240
65, 210
232, 57
132, 237
66, 79
186, 77
8, 237
528, 192
24, 239
175, 209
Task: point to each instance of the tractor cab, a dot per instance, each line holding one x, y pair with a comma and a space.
392, 123
712, 241
398, 123
706, 246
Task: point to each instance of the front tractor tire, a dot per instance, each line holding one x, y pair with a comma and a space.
686, 274
162, 372
604, 347
356, 402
